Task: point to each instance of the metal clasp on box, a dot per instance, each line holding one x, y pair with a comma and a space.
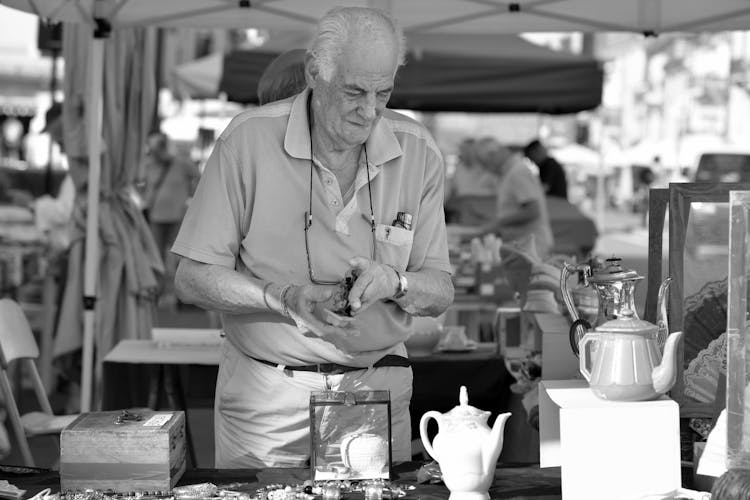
127, 416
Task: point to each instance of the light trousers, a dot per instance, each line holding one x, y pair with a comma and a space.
262, 414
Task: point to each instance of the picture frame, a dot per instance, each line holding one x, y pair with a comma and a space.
350, 435
698, 266
738, 335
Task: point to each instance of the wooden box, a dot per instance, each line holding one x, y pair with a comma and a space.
134, 455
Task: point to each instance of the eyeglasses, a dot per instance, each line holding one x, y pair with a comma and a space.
309, 216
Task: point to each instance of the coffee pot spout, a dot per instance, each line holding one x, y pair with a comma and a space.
494, 445
665, 374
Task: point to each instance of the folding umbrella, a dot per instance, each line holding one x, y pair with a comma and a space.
121, 264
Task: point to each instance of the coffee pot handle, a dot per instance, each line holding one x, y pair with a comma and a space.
585, 359
577, 330
423, 431
579, 326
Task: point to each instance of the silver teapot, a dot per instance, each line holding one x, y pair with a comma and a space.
615, 288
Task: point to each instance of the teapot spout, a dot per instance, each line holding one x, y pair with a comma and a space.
494, 445
665, 374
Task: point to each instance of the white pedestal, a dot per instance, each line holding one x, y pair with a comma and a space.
607, 449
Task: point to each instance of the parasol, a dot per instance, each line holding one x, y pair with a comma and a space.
113, 261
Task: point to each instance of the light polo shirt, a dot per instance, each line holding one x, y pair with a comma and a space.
248, 214
517, 186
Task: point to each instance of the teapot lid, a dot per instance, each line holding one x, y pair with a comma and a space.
627, 322
614, 271
464, 411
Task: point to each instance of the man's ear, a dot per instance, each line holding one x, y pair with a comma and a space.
312, 71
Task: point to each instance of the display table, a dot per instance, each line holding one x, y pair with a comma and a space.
519, 483
136, 372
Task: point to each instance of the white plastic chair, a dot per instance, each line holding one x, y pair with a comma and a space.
17, 343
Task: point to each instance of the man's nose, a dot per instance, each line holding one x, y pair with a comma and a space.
368, 107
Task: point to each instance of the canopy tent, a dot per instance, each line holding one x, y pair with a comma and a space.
435, 17
416, 16
503, 73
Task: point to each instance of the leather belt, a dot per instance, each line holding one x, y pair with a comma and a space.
337, 369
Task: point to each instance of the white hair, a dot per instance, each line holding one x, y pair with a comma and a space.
335, 28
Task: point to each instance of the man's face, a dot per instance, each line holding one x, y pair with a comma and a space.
349, 106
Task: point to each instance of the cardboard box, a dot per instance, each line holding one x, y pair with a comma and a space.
143, 455
608, 449
558, 360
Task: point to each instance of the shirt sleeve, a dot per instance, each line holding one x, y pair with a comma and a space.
526, 186
430, 245
211, 230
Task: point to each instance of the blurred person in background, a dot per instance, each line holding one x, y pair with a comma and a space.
283, 77
520, 219
470, 191
169, 181
53, 212
551, 173
521, 208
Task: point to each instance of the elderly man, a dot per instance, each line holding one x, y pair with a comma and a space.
295, 195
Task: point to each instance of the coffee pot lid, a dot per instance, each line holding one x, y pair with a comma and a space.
627, 322
614, 271
464, 411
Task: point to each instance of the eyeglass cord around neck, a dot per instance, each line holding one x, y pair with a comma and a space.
308, 221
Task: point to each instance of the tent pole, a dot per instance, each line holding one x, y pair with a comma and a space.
601, 194
91, 260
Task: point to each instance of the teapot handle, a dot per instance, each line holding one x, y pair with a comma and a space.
586, 358
423, 431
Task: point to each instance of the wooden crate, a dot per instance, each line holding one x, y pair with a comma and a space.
145, 455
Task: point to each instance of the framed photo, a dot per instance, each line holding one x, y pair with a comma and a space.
699, 266
735, 356
350, 435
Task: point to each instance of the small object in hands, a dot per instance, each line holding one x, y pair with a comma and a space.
335, 319
341, 304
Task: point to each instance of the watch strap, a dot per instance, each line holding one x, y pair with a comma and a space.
403, 284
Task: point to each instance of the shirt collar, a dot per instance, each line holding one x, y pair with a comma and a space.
382, 145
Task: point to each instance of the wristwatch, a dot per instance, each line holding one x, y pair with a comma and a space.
403, 284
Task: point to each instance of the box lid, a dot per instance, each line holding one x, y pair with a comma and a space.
118, 421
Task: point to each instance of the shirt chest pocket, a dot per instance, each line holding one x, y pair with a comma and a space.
393, 245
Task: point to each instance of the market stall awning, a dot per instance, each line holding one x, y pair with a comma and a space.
417, 16
503, 73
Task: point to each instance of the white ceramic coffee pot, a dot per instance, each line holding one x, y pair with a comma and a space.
465, 447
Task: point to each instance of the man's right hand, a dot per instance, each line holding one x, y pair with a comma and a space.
306, 305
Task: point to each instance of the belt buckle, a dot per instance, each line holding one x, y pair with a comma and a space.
330, 369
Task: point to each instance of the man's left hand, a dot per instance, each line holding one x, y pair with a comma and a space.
375, 281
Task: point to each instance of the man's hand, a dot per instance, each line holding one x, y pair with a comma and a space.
306, 305
375, 282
